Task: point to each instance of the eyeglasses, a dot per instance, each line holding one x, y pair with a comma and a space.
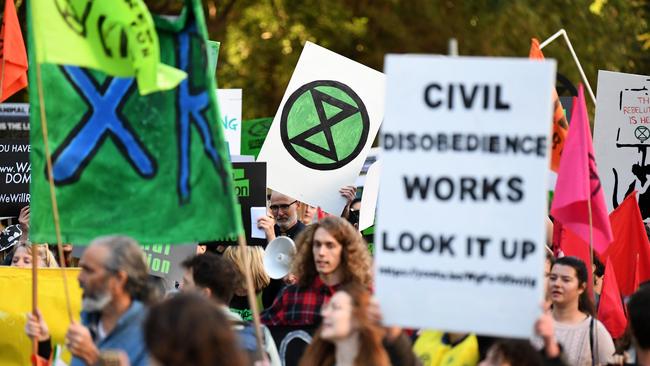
283, 207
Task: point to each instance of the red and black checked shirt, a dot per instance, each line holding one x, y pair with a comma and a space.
297, 305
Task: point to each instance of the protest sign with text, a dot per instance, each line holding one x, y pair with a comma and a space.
323, 130
230, 105
15, 175
249, 179
14, 120
460, 226
621, 134
164, 261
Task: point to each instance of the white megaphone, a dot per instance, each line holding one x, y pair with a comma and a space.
278, 256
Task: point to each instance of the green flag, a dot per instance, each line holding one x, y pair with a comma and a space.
117, 37
153, 167
253, 134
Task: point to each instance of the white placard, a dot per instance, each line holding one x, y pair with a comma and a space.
230, 107
369, 196
256, 214
460, 228
323, 130
622, 137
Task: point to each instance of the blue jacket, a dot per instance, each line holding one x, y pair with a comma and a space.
127, 335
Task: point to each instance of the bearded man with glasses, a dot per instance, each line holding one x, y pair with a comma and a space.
284, 221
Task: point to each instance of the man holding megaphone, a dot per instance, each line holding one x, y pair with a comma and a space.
283, 222
330, 253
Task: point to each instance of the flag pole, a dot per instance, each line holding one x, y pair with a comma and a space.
34, 291
252, 300
563, 33
55, 208
590, 268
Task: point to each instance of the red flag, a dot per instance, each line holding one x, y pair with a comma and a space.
630, 250
560, 125
13, 58
578, 183
610, 309
573, 246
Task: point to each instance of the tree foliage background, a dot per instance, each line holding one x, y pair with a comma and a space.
261, 40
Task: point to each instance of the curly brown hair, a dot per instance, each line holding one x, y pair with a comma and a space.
355, 257
322, 352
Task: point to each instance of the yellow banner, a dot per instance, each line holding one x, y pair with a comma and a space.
16, 301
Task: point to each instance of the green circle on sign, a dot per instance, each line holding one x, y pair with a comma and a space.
324, 125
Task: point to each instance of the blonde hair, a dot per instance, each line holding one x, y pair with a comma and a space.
235, 255
43, 252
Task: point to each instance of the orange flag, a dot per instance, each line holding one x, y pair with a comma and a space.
13, 58
610, 309
560, 125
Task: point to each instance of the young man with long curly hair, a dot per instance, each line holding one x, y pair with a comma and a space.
330, 253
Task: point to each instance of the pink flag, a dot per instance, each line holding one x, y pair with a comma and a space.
578, 181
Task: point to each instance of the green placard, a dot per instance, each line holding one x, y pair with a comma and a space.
253, 134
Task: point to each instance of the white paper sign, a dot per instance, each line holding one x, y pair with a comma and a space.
323, 130
622, 137
460, 228
256, 214
369, 196
230, 107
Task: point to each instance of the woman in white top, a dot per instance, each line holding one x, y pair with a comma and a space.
572, 312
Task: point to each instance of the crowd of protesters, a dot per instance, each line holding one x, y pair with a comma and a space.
127, 319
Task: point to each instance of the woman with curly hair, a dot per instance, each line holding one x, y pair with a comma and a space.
348, 335
330, 253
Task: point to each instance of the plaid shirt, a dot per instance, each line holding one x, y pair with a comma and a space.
296, 305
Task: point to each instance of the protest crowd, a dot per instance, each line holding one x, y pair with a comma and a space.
287, 252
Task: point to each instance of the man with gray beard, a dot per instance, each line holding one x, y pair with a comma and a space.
115, 288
